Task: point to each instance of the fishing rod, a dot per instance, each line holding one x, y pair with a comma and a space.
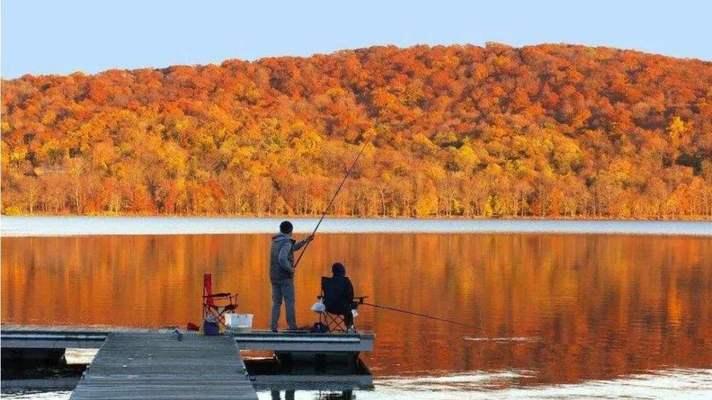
331, 202
420, 315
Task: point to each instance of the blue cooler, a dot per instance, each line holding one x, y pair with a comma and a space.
211, 327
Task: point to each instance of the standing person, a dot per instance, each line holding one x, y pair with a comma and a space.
281, 273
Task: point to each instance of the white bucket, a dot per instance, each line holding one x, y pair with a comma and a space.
239, 322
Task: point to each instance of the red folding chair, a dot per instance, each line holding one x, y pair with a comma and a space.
215, 305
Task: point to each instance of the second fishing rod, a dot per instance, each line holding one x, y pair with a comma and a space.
321, 219
331, 202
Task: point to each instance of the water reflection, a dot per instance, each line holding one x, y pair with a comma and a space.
664, 384
600, 307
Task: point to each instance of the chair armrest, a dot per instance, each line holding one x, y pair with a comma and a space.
360, 299
224, 294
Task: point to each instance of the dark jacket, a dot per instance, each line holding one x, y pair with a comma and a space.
339, 293
281, 257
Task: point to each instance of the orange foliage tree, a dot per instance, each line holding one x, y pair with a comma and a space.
546, 131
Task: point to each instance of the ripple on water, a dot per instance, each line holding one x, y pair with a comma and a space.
667, 384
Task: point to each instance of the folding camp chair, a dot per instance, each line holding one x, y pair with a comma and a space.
215, 305
334, 322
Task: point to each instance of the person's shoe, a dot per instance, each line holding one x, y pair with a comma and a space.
274, 330
351, 329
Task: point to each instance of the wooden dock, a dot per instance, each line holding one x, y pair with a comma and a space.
159, 366
154, 360
44, 337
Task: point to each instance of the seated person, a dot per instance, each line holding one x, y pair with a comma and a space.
339, 295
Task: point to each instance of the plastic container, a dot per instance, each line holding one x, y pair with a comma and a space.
239, 322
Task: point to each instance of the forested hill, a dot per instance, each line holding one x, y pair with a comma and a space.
550, 130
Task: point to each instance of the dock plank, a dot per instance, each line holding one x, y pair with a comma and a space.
158, 366
42, 337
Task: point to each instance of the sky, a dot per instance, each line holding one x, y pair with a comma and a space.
61, 37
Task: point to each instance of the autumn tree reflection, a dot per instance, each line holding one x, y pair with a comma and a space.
595, 306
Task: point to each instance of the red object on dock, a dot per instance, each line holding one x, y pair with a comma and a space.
215, 305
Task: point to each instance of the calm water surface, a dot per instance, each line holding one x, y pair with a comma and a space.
575, 315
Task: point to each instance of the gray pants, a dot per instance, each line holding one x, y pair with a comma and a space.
283, 289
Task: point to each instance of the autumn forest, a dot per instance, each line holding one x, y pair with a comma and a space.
462, 131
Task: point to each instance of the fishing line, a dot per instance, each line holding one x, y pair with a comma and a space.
512, 339
420, 315
504, 339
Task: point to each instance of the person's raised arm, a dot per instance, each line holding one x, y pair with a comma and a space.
302, 243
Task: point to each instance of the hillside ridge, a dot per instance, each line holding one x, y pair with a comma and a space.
548, 130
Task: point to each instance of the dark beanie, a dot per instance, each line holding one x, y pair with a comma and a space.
338, 269
286, 227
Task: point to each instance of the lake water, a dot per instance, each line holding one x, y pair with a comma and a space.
557, 315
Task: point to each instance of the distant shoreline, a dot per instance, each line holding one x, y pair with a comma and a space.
48, 226
356, 217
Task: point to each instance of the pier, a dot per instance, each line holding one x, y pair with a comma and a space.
26, 337
159, 366
154, 364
